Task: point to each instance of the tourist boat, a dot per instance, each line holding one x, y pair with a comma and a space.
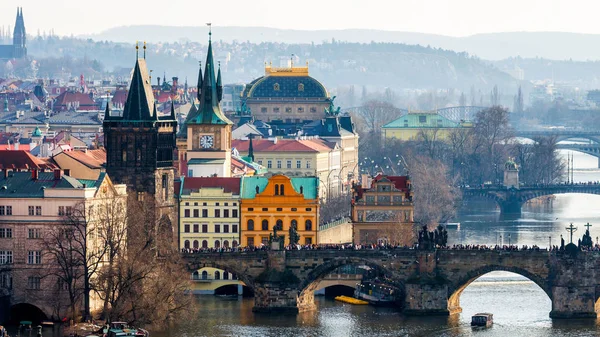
376, 292
452, 225
483, 319
118, 329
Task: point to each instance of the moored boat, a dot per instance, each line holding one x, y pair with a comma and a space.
376, 292
118, 329
483, 319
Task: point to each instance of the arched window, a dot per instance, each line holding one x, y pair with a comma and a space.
279, 224
265, 225
276, 86
300, 87
294, 224
226, 243
196, 244
204, 275
282, 190
217, 244
308, 225
186, 244
195, 275
234, 243
204, 244
225, 275
301, 189
217, 275
250, 225
276, 189
257, 190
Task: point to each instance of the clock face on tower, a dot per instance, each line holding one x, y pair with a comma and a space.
206, 142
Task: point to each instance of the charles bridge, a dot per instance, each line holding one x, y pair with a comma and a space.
431, 282
510, 200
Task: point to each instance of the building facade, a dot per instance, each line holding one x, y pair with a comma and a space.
209, 213
427, 126
382, 211
279, 202
288, 94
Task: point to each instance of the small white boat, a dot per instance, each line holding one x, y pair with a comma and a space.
453, 225
483, 319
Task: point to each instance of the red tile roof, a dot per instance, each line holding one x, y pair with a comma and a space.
284, 145
90, 158
400, 182
238, 167
229, 185
85, 101
21, 160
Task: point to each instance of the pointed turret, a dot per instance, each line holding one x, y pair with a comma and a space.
172, 111
107, 110
251, 147
219, 85
199, 87
209, 111
140, 104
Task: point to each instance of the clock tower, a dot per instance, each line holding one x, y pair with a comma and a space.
208, 129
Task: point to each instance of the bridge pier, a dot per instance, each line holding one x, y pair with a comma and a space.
276, 298
428, 299
510, 207
573, 302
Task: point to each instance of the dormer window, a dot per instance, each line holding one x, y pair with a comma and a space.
276, 86
300, 86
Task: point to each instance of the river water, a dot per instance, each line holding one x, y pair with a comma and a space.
519, 306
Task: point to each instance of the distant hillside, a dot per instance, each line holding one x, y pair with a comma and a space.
496, 46
398, 66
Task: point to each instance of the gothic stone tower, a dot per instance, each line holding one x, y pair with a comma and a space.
140, 146
19, 36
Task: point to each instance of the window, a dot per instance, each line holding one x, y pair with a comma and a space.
5, 233
196, 213
196, 244
282, 189
187, 203
260, 162
217, 213
204, 244
265, 240
288, 109
204, 228
186, 228
33, 233
265, 209
34, 257
265, 225
31, 210
307, 164
250, 209
225, 228
196, 228
61, 210
216, 204
276, 109
69, 210
33, 282
309, 209
422, 119
217, 228
300, 86
308, 225
279, 164
204, 204
186, 244
269, 164
313, 109
250, 242
226, 204
2, 210
217, 244
226, 213
205, 213
8, 210
204, 275
38, 210
195, 204
234, 213
250, 225
6, 256
234, 244
276, 189
294, 224
279, 209
288, 164
294, 209
308, 241
186, 213
5, 281
276, 86
234, 228
217, 273
298, 164
279, 225
235, 204
263, 109
300, 109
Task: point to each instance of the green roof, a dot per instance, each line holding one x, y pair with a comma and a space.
37, 132
309, 186
420, 121
20, 184
199, 161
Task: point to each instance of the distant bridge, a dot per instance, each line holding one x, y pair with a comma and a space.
454, 113
561, 134
510, 200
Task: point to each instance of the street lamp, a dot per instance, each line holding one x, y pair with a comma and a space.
501, 242
509, 240
549, 242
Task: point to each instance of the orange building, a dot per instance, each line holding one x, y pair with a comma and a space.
282, 202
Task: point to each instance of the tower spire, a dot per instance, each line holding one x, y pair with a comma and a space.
219, 85
199, 79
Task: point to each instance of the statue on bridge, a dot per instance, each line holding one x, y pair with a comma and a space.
586, 241
276, 241
430, 240
293, 232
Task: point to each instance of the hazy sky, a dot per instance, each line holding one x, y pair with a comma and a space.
446, 17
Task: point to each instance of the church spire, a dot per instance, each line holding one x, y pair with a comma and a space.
140, 104
199, 87
219, 85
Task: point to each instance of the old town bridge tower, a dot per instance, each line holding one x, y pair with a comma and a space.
140, 145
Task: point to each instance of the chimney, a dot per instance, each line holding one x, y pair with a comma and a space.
34, 174
57, 174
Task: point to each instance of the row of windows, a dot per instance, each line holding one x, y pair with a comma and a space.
33, 257
217, 213
196, 244
279, 225
36, 210
265, 241
216, 204
204, 275
287, 109
32, 233
5, 210
217, 229
288, 164
293, 209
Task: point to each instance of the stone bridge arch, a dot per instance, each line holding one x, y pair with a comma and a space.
456, 288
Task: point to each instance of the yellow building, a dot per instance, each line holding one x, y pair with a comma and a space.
209, 213
279, 202
429, 126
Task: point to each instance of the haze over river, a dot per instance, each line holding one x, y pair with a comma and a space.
519, 306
